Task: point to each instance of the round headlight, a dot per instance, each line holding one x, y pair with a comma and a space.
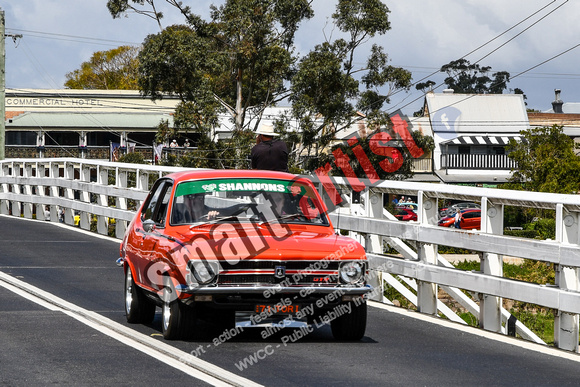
351, 272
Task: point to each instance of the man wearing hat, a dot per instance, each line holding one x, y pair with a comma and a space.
269, 152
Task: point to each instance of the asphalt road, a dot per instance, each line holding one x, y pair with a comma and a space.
45, 346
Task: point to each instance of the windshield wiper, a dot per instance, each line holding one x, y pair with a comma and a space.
284, 217
213, 221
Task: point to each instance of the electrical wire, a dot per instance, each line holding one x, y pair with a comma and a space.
73, 38
524, 30
485, 44
138, 106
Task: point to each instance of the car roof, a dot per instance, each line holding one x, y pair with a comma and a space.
471, 210
231, 173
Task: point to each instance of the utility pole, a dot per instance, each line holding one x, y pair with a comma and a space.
3, 82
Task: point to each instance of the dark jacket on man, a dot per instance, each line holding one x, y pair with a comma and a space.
270, 155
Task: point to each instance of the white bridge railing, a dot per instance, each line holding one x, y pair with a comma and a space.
103, 196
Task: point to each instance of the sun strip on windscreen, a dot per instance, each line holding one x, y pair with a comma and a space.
252, 185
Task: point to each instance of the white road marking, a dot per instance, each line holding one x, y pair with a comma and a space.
408, 313
161, 351
521, 343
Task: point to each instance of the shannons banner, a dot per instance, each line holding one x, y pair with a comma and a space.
251, 185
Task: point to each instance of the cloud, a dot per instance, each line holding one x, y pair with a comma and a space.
425, 35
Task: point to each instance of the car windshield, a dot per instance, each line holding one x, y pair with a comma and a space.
245, 200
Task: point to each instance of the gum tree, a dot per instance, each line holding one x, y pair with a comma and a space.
329, 93
240, 58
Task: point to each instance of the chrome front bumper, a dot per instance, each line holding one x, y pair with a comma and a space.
273, 290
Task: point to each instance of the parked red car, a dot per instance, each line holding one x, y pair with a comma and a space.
470, 219
405, 214
250, 247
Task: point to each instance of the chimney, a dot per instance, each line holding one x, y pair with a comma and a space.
557, 104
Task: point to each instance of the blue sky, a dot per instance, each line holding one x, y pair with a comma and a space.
425, 35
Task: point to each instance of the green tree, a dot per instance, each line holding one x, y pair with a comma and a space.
468, 78
464, 77
546, 161
237, 62
114, 69
242, 61
389, 163
326, 94
134, 158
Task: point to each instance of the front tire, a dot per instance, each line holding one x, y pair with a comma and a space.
138, 309
177, 318
350, 326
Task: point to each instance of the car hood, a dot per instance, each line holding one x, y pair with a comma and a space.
272, 242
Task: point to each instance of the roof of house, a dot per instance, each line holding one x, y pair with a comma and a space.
457, 114
87, 121
569, 122
568, 108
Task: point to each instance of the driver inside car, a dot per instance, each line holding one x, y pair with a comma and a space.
193, 209
281, 204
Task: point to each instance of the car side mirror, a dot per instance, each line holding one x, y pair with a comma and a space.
148, 225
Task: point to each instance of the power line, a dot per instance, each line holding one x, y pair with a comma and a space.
486, 43
74, 38
524, 30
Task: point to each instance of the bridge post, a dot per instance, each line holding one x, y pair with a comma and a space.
27, 207
5, 171
54, 172
85, 217
142, 183
490, 317
566, 324
121, 202
40, 190
16, 206
374, 243
427, 254
69, 175
103, 180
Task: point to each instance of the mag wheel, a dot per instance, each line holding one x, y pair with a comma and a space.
177, 318
138, 309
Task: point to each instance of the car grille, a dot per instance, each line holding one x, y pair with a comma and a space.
295, 273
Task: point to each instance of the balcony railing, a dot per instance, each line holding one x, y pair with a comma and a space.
422, 165
52, 151
492, 162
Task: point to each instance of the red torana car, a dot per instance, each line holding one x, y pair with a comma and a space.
250, 247
470, 220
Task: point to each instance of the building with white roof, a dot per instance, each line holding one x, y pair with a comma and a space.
471, 132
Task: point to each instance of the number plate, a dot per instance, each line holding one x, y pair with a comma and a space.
276, 309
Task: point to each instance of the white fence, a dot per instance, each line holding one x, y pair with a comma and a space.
96, 192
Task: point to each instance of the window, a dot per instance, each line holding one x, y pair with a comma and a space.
472, 214
157, 202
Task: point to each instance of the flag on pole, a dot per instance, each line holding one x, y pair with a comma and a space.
114, 151
158, 152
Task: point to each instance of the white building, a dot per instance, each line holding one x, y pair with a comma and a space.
471, 132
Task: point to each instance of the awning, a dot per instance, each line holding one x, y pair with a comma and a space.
481, 140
